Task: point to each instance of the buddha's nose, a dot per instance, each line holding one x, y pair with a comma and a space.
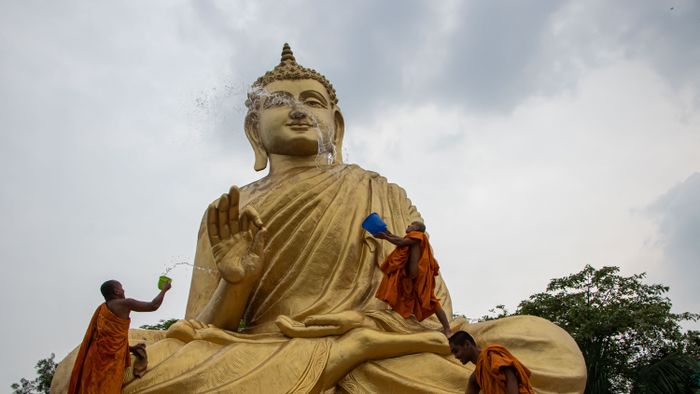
298, 112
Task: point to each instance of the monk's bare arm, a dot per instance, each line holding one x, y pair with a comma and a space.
145, 306
472, 386
396, 240
122, 307
511, 381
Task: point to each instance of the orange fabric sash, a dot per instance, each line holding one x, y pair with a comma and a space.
490, 375
409, 296
103, 355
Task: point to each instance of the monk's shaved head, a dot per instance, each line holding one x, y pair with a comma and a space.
107, 289
419, 226
461, 338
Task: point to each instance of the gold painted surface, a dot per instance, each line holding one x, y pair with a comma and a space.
287, 253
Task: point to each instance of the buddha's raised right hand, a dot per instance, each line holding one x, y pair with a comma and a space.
237, 239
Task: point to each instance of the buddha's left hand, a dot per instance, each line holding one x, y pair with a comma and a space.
321, 325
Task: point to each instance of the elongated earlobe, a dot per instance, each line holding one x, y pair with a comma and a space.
338, 136
251, 131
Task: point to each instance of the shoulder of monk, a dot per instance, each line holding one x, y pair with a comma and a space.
494, 347
418, 235
497, 349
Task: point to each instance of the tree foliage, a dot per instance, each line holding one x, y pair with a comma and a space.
496, 312
165, 324
45, 369
161, 325
622, 325
675, 373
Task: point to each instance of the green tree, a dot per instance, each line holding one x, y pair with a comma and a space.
675, 373
161, 325
45, 369
496, 312
165, 324
622, 325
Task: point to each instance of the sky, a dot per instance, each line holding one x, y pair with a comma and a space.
534, 138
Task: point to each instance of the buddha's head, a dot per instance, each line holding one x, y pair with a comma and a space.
293, 111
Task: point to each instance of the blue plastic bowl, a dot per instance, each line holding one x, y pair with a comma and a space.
374, 224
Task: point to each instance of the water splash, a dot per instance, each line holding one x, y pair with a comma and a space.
208, 270
218, 109
326, 149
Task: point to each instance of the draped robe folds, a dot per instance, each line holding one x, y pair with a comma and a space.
319, 260
490, 374
408, 296
103, 355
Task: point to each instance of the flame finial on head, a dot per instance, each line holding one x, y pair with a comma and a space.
289, 69
287, 54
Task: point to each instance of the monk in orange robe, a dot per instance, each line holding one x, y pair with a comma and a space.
497, 370
408, 285
104, 353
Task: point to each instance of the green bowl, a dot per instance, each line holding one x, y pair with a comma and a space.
162, 281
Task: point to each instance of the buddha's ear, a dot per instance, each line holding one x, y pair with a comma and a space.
251, 131
338, 136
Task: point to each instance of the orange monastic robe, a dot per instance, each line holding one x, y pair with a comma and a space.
103, 355
490, 375
405, 295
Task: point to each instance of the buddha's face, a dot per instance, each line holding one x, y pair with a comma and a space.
294, 117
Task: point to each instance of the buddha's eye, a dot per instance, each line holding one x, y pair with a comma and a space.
277, 100
313, 103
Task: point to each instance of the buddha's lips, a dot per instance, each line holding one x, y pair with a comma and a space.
300, 125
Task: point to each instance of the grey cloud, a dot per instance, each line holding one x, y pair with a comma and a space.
497, 55
677, 215
490, 62
664, 34
493, 56
503, 53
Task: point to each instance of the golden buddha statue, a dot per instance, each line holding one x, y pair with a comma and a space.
291, 259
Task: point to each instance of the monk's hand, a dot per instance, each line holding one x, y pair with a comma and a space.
382, 235
237, 238
321, 325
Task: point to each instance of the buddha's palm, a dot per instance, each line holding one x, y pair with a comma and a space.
238, 240
321, 325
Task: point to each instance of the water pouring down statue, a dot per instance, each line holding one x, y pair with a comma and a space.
295, 264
